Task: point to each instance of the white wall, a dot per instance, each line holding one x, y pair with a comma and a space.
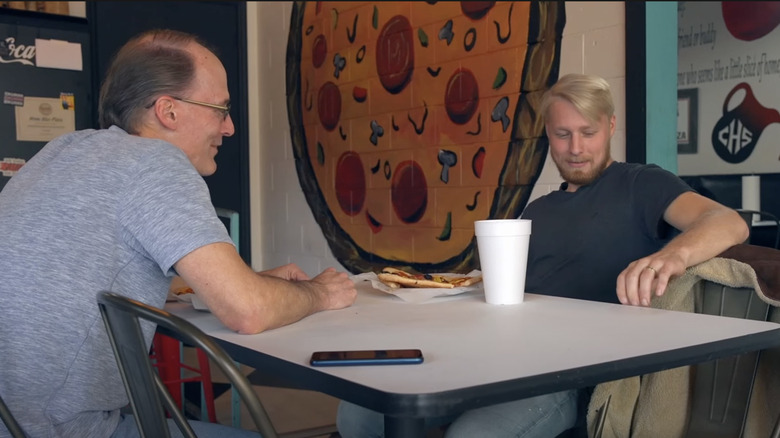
283, 227
593, 43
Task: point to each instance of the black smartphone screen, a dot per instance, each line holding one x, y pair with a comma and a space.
366, 357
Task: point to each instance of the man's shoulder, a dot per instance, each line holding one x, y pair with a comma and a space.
638, 171
113, 137
123, 137
118, 143
538, 205
637, 167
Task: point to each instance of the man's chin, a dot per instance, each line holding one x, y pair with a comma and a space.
579, 178
582, 177
209, 171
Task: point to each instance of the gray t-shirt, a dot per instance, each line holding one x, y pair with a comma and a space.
93, 210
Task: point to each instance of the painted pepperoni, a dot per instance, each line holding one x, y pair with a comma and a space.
461, 98
319, 51
329, 105
395, 54
350, 183
476, 10
409, 192
359, 94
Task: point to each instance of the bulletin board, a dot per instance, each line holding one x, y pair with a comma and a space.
45, 83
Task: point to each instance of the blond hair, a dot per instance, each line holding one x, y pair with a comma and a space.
589, 94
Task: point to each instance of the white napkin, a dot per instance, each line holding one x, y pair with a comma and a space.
415, 294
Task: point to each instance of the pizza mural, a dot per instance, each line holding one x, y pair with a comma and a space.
412, 120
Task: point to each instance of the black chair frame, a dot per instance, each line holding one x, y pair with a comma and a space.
747, 215
10, 422
144, 387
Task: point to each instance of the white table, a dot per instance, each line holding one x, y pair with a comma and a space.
478, 354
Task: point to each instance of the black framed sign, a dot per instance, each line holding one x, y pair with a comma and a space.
687, 120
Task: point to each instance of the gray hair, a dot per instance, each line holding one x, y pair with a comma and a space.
589, 94
149, 65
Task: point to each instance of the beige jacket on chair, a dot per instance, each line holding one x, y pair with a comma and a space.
656, 405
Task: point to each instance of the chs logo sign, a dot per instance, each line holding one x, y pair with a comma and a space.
736, 134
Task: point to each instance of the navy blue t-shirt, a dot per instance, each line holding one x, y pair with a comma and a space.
581, 241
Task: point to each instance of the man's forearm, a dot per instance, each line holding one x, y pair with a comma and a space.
713, 233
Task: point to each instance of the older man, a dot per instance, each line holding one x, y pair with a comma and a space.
124, 208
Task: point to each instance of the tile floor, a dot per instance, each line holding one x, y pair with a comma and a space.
290, 410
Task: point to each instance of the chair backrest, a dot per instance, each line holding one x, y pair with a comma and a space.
10, 422
750, 216
144, 387
722, 388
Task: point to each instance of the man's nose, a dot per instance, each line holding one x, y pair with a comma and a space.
228, 129
575, 146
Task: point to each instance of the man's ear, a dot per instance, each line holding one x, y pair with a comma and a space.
165, 111
612, 124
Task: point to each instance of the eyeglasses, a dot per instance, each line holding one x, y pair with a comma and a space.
224, 109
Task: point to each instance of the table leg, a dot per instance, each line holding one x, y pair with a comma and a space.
404, 427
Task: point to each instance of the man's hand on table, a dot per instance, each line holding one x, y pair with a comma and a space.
336, 289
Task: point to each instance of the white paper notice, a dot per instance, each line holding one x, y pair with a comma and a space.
58, 54
43, 119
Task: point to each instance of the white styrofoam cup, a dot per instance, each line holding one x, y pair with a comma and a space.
503, 255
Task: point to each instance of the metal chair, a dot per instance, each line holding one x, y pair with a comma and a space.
147, 393
749, 217
10, 422
722, 388
599, 429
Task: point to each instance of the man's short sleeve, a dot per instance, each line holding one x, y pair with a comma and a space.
167, 213
654, 189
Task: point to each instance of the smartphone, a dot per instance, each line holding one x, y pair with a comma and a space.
366, 357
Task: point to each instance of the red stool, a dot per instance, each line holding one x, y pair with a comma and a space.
166, 357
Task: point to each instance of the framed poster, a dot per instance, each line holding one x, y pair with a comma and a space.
687, 120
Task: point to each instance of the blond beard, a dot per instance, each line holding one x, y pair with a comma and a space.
583, 178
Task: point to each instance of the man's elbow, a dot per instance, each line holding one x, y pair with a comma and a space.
740, 226
252, 325
246, 322
251, 329
744, 231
